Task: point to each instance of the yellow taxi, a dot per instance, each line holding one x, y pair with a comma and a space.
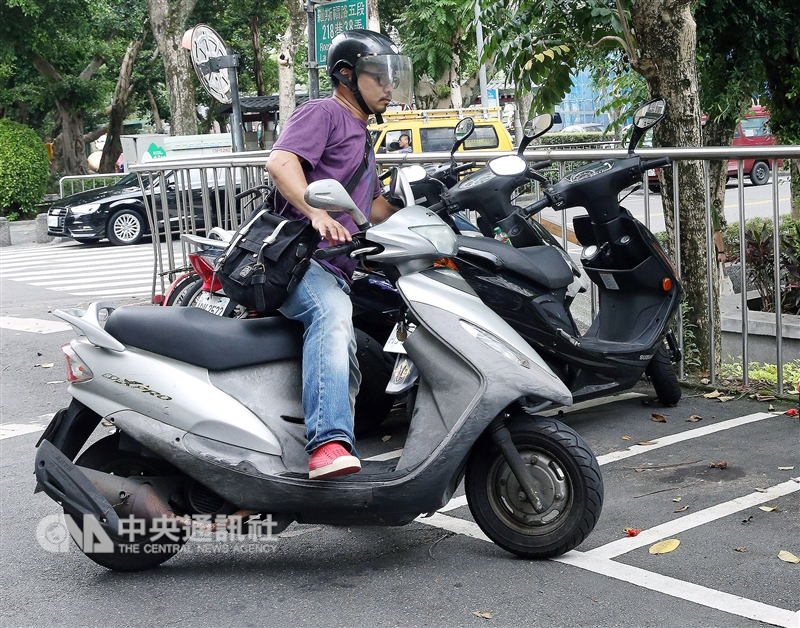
431, 130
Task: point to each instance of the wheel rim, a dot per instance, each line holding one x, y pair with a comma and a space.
761, 172
510, 504
127, 228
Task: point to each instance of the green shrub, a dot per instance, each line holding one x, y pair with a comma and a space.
23, 168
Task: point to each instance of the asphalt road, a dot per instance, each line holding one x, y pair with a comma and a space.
438, 571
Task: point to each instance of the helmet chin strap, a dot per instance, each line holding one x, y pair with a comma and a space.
357, 94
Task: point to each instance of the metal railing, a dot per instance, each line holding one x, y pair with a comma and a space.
87, 181
199, 197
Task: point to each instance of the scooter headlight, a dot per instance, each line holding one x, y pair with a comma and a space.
497, 344
440, 236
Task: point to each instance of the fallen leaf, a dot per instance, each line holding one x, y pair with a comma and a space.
785, 468
718, 465
663, 547
386, 438
626, 438
768, 508
739, 549
712, 395
694, 418
788, 557
646, 442
724, 399
677, 499
682, 509
659, 418
705, 381
793, 412
632, 531
765, 397
761, 490
44, 366
484, 615
771, 408
748, 520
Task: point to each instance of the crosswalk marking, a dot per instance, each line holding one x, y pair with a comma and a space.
86, 272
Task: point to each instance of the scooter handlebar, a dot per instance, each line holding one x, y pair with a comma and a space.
339, 249
535, 208
661, 162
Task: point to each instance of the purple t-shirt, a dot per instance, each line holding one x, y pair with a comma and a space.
331, 141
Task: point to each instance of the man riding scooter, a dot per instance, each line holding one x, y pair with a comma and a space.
329, 139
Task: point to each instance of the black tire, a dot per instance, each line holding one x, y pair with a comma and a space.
759, 175
106, 456
662, 375
188, 284
125, 227
189, 295
567, 479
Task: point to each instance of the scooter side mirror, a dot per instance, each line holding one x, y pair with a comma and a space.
330, 195
415, 173
535, 127
645, 118
508, 165
399, 186
463, 130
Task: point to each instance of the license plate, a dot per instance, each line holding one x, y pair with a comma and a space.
52, 221
212, 303
393, 345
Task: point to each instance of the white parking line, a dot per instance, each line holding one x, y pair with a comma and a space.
687, 522
658, 443
33, 325
10, 430
733, 604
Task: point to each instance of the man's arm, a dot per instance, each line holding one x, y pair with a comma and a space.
286, 170
381, 210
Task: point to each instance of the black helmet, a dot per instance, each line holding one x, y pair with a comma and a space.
375, 53
350, 46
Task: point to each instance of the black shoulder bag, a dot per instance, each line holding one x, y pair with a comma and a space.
269, 254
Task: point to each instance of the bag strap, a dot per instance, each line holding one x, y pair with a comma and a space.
353, 182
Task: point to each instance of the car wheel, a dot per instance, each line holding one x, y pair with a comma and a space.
125, 227
759, 175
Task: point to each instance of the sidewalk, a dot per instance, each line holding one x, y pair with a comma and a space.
23, 233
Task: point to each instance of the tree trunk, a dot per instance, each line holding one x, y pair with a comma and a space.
258, 54
290, 42
119, 108
73, 148
456, 99
373, 17
665, 31
158, 123
168, 19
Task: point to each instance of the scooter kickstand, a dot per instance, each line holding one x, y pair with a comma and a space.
502, 438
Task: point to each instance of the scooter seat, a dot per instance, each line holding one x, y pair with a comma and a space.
194, 336
543, 265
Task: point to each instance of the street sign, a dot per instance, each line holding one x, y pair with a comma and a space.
333, 18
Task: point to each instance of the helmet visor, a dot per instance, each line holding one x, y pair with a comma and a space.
392, 71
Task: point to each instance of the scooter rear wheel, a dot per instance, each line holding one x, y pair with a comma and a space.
662, 375
567, 479
105, 455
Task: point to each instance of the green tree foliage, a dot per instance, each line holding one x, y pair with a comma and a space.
23, 167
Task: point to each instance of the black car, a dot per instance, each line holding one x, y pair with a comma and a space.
117, 212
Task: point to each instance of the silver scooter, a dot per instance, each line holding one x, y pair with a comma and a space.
208, 419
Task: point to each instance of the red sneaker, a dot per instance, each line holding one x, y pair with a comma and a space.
330, 461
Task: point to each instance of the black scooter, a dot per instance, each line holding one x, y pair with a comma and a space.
529, 283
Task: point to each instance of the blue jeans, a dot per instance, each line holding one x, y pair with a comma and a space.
330, 368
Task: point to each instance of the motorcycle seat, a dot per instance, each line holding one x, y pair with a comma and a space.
543, 264
197, 337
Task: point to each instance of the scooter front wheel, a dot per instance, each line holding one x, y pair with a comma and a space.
567, 480
662, 375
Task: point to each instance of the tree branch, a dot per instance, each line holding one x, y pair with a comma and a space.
603, 40
629, 46
93, 135
90, 69
44, 68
